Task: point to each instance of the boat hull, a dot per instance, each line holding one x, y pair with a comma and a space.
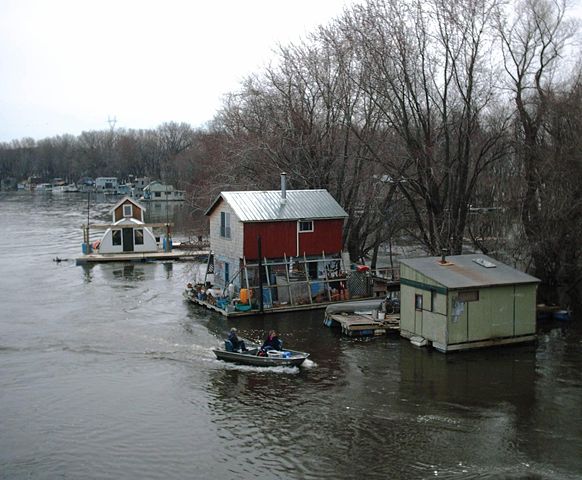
251, 358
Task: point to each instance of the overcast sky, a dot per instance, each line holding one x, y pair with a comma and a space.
72, 65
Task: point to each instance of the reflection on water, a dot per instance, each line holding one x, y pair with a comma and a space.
106, 369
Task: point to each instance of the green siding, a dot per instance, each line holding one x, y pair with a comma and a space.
429, 324
434, 327
407, 308
492, 315
498, 313
457, 326
525, 309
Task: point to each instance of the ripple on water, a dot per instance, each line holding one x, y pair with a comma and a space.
106, 372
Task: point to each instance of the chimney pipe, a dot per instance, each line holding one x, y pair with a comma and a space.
444, 252
283, 188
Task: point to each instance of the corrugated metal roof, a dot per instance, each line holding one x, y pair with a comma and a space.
461, 271
262, 206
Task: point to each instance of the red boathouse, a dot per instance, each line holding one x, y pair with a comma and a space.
299, 233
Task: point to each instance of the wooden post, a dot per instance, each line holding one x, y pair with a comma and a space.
287, 267
259, 252
208, 262
307, 278
327, 284
87, 232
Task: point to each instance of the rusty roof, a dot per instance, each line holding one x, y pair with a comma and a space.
468, 271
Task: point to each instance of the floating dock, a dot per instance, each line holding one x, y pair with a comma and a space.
362, 318
363, 324
234, 312
183, 255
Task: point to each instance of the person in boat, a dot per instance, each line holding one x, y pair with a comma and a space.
237, 344
272, 342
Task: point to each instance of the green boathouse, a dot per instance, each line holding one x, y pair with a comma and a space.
465, 301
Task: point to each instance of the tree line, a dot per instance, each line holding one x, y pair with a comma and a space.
112, 152
416, 115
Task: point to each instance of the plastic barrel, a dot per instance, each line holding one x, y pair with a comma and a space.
244, 295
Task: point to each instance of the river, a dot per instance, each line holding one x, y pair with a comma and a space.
107, 373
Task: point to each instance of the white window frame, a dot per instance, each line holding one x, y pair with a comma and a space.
116, 237
418, 301
225, 231
128, 206
301, 223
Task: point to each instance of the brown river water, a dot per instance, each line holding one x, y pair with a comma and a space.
107, 373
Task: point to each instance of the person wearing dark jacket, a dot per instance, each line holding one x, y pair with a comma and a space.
272, 342
237, 344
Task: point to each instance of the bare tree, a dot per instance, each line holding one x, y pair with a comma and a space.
534, 41
430, 76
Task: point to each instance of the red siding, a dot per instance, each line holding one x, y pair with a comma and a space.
280, 238
326, 237
277, 239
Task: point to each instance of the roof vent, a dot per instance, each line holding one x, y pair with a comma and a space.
484, 263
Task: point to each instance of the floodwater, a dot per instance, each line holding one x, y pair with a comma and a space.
106, 373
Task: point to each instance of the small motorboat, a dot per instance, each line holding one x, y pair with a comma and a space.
561, 315
272, 358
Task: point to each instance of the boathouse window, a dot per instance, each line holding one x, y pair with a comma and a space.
418, 302
127, 210
225, 224
469, 296
116, 237
157, 194
306, 226
226, 272
138, 236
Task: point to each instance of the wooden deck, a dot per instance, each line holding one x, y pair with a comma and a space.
236, 313
141, 257
363, 324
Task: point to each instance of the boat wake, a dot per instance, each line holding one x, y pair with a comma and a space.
308, 364
267, 370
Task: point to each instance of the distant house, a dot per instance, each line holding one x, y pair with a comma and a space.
141, 182
138, 184
106, 184
157, 191
128, 232
466, 301
300, 233
86, 184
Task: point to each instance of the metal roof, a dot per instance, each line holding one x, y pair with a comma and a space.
462, 271
262, 206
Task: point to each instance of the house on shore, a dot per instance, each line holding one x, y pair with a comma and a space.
157, 191
106, 185
465, 301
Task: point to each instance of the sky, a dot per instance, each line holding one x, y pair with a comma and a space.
68, 66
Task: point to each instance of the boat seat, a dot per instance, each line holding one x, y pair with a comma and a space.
228, 346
